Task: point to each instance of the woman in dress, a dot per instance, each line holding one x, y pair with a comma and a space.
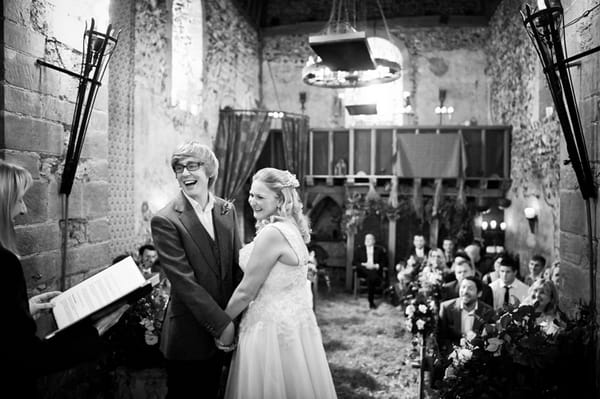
280, 352
26, 356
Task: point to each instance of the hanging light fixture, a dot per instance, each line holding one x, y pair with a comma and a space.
345, 58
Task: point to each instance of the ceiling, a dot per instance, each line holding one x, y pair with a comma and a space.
273, 13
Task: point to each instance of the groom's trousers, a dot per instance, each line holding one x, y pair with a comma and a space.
197, 379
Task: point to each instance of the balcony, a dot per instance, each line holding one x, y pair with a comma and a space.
340, 158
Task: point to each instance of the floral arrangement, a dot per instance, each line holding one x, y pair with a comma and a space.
421, 315
134, 340
150, 311
518, 357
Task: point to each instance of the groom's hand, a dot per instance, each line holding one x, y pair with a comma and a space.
228, 335
225, 342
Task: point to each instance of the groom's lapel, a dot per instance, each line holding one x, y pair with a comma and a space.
223, 226
197, 233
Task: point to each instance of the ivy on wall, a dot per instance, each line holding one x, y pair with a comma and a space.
151, 55
514, 69
455, 219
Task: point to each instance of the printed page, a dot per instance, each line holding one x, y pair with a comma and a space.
97, 291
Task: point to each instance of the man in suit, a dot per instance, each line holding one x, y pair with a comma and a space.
419, 250
460, 315
508, 289
464, 268
197, 240
449, 250
370, 260
536, 266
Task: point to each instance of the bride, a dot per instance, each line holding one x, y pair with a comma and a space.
280, 352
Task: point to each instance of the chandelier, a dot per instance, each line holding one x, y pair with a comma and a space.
345, 57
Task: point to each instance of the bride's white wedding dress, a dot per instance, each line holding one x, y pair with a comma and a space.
280, 352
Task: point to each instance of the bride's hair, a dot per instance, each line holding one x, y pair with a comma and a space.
284, 184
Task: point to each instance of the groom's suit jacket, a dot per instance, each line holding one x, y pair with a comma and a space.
203, 273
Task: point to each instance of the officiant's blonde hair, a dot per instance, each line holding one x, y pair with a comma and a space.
14, 182
284, 184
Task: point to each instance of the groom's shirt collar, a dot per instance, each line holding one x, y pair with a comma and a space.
204, 215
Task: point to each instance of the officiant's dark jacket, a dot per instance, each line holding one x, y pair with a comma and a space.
24, 355
450, 322
203, 273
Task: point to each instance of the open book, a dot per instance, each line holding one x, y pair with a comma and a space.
100, 295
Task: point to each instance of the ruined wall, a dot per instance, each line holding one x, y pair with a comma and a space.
37, 110
169, 36
518, 92
434, 58
574, 244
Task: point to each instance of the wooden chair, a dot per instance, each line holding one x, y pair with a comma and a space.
359, 284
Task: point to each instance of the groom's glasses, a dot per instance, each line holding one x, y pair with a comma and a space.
190, 166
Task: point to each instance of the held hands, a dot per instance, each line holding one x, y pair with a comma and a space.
226, 342
41, 303
105, 323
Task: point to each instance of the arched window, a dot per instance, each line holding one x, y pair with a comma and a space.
389, 97
187, 55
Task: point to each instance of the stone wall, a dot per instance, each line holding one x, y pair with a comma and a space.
574, 243
37, 110
451, 58
124, 174
227, 76
517, 87
284, 13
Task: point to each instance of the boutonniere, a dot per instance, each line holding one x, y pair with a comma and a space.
226, 207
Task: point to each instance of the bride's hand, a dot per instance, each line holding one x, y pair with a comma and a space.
226, 342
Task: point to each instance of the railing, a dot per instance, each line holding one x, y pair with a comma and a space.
337, 155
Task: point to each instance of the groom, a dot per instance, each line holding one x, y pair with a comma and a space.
197, 240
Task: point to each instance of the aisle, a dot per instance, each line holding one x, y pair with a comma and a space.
367, 349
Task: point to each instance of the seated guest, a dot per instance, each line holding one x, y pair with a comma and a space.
494, 275
482, 263
508, 290
419, 249
460, 315
449, 250
463, 268
436, 264
370, 260
147, 257
543, 296
553, 274
536, 269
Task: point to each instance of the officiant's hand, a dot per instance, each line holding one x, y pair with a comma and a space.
105, 323
41, 303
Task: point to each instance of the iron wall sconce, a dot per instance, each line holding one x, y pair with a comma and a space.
531, 215
97, 50
442, 109
544, 26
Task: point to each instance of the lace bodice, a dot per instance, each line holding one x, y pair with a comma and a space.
284, 298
